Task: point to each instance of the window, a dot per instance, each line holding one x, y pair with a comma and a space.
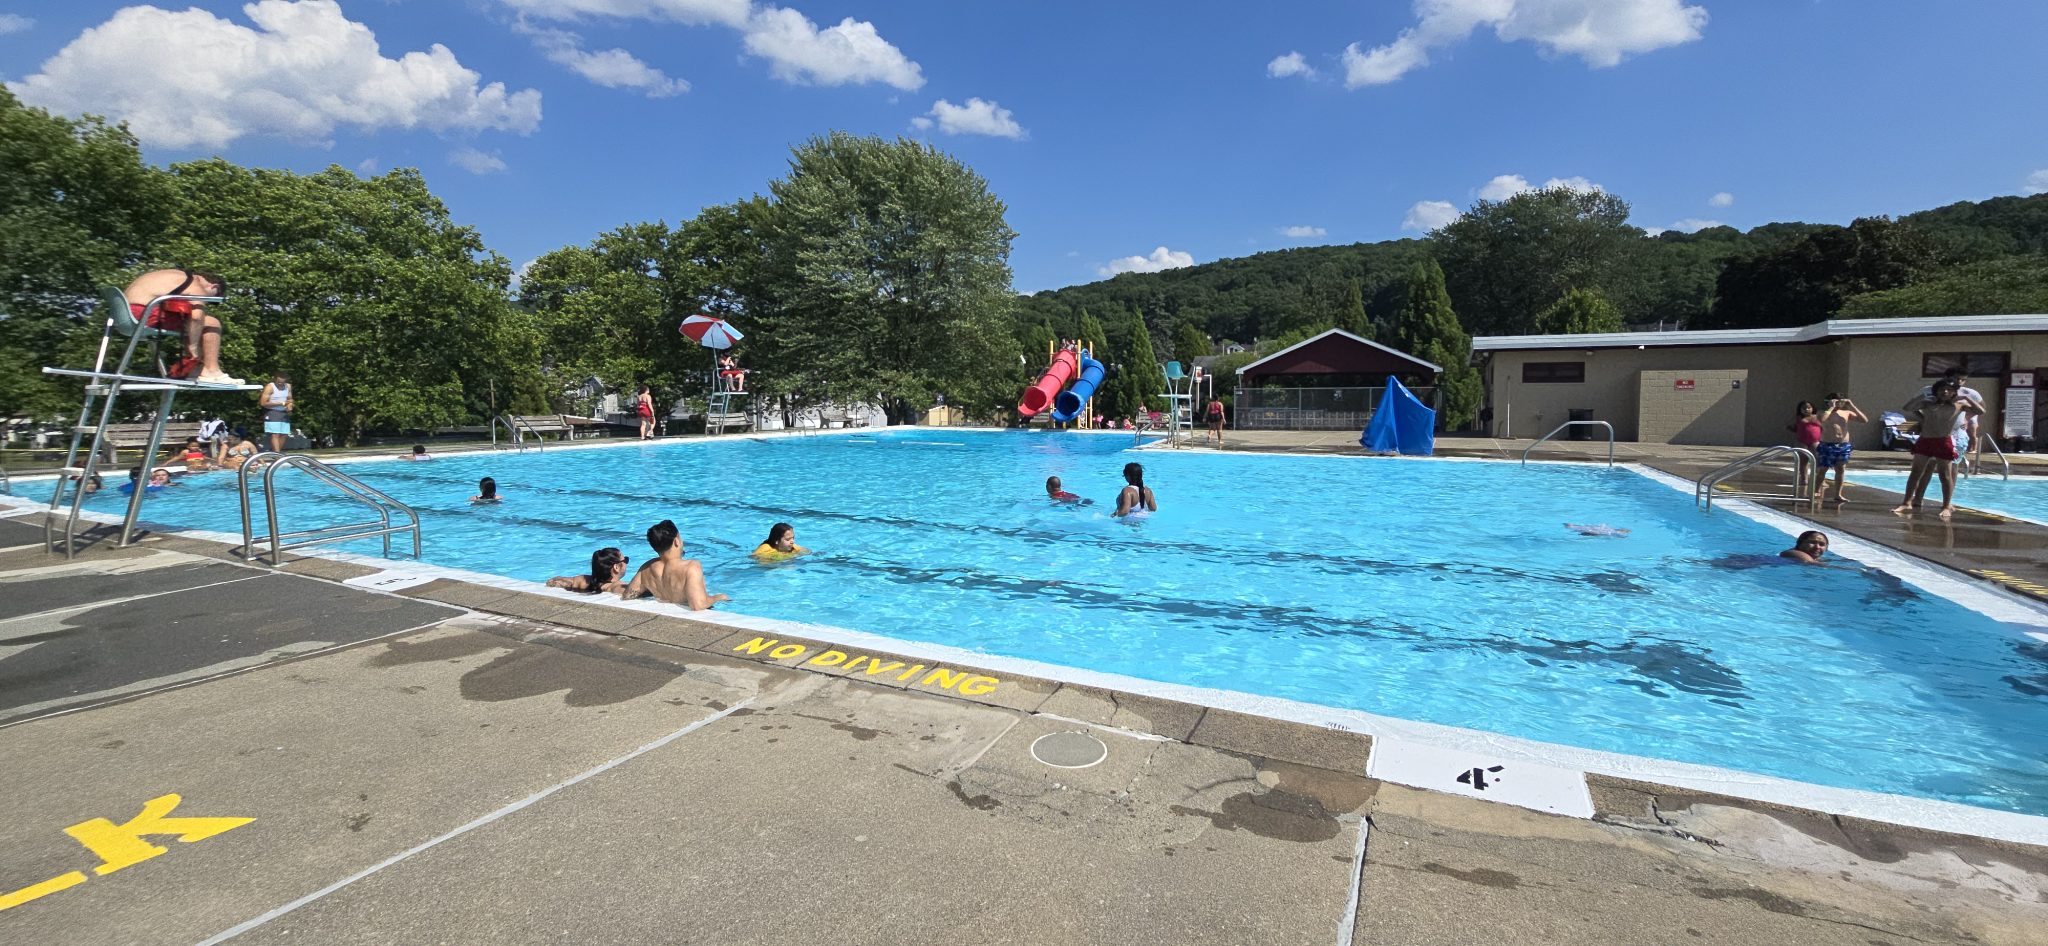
1975, 364
1554, 372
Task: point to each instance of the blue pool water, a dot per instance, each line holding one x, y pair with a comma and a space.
2022, 497
1438, 591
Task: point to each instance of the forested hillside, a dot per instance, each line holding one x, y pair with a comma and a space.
1508, 263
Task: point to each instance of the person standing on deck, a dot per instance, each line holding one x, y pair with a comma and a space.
276, 398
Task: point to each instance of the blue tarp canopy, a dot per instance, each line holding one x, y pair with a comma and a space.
1401, 425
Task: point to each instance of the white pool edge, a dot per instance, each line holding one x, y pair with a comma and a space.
1903, 810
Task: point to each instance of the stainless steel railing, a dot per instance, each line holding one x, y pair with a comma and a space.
355, 489
1706, 487
1575, 423
2005, 471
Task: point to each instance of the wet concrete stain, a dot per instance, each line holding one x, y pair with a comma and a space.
1497, 879
1762, 898
113, 744
534, 671
1278, 814
356, 822
454, 647
976, 802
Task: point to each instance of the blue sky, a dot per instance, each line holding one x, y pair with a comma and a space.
1150, 130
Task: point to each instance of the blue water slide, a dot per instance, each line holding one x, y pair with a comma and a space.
1070, 402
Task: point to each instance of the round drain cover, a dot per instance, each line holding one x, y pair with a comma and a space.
1069, 750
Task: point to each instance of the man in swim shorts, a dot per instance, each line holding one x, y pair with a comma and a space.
1808, 550
202, 330
670, 577
1965, 432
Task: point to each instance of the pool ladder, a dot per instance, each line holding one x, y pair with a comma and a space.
1970, 468
1575, 423
513, 432
1706, 487
353, 488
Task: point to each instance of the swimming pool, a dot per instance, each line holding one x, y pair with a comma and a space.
1447, 592
2022, 497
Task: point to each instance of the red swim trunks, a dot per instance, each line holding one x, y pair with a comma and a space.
170, 316
1940, 448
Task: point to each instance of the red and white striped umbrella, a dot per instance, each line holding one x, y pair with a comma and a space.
710, 332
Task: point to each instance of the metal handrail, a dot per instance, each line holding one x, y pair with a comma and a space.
513, 424
1575, 423
1706, 486
351, 487
2005, 473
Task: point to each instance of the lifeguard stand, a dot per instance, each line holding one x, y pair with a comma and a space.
102, 388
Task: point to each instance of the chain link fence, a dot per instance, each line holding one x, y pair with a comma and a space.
1272, 408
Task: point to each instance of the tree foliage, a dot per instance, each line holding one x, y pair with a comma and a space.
1807, 280
78, 208
1581, 311
386, 313
1428, 329
1506, 261
2014, 285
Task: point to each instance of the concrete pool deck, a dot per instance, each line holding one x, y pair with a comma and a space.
558, 772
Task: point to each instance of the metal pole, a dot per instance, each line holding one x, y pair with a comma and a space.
156, 437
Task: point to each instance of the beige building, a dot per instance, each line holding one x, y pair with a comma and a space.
1739, 387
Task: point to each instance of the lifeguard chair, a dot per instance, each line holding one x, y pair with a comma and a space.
103, 387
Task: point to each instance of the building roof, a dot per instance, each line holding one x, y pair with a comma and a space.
1338, 331
1817, 332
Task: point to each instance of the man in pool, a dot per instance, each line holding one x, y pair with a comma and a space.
1054, 492
670, 577
1812, 544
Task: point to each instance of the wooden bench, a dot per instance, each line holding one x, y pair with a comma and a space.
564, 424
137, 435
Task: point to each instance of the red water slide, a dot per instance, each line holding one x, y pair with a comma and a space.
1039, 396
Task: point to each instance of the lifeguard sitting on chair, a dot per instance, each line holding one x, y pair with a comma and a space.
202, 330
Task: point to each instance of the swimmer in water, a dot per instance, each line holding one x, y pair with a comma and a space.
1597, 530
670, 578
607, 573
1812, 545
1054, 492
1135, 496
487, 492
781, 545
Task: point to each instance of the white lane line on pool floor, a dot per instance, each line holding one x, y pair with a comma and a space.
247, 925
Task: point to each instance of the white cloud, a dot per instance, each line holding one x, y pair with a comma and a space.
2037, 182
14, 23
1579, 184
611, 68
1301, 232
1692, 225
1503, 187
1722, 199
797, 51
367, 166
850, 53
1599, 32
477, 162
1291, 64
303, 70
1161, 259
1428, 215
694, 12
974, 118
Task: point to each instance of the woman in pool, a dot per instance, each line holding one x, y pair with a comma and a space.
1135, 496
486, 491
781, 545
607, 573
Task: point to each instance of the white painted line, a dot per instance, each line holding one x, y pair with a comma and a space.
388, 580
247, 925
1481, 775
1346, 926
17, 548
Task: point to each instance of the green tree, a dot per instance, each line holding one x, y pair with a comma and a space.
384, 310
1807, 280
1352, 317
1579, 312
610, 311
1189, 343
78, 209
1428, 329
1505, 261
899, 277
1142, 379
2013, 285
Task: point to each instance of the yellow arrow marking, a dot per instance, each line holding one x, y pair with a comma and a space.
121, 845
